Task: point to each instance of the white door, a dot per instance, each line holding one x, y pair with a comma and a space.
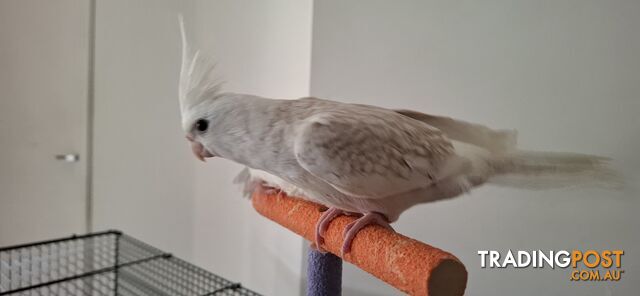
44, 58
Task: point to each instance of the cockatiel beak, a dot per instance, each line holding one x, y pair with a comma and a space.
198, 149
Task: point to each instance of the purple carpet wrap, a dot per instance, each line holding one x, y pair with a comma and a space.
324, 274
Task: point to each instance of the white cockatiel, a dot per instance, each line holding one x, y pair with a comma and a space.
360, 159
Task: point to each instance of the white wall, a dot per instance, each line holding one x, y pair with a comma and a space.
565, 74
143, 169
264, 48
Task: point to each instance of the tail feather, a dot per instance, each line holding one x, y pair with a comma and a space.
540, 170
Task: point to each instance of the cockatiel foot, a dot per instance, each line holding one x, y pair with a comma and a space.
354, 227
270, 190
322, 225
350, 231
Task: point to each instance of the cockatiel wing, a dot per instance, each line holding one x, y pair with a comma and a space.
371, 154
496, 141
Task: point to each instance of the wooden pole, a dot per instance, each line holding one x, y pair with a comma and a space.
407, 264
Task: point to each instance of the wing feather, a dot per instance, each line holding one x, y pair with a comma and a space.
499, 141
371, 153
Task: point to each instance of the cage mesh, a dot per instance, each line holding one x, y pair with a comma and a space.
105, 263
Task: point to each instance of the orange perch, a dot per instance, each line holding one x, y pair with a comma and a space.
407, 264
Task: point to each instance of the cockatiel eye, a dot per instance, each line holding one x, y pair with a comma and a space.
202, 125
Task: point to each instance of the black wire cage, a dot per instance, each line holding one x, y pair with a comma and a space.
104, 263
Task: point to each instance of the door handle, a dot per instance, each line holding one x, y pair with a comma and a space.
68, 157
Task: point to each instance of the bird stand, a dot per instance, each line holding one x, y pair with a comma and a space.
406, 264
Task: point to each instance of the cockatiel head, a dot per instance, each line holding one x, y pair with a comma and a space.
197, 89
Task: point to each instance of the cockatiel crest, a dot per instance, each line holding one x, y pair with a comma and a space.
197, 82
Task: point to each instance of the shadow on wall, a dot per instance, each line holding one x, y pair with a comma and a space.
356, 292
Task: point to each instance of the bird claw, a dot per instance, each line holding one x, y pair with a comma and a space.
354, 227
350, 230
270, 190
323, 224
315, 247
